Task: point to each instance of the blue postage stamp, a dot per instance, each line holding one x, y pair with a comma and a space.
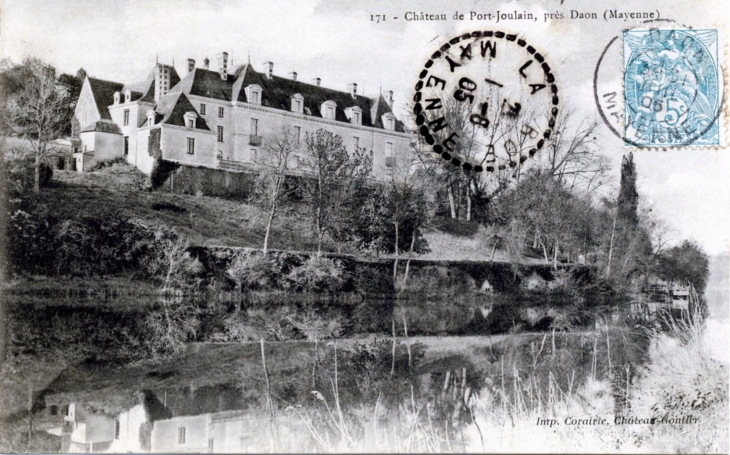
672, 88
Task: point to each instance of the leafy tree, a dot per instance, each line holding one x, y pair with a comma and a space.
629, 245
38, 112
686, 263
332, 175
406, 208
628, 196
70, 85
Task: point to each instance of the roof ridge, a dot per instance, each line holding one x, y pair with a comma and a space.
104, 80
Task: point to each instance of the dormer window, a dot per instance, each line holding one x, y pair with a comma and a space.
117, 96
190, 118
328, 109
150, 117
297, 103
354, 114
253, 94
127, 96
389, 121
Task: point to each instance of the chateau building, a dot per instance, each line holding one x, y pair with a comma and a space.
220, 119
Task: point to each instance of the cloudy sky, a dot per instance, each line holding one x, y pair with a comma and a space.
338, 42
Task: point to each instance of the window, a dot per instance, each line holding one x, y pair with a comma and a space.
389, 160
357, 142
84, 148
191, 123
220, 112
254, 130
126, 117
252, 154
297, 133
220, 133
297, 103
389, 121
181, 431
126, 145
327, 109
116, 429
253, 93
202, 109
356, 117
191, 146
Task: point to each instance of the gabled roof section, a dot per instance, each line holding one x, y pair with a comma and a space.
173, 106
379, 108
103, 126
103, 92
202, 82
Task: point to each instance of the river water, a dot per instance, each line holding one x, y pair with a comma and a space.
90, 375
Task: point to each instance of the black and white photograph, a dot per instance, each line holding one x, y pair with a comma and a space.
263, 226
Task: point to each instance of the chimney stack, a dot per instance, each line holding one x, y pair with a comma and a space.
223, 65
293, 75
316, 81
191, 65
352, 88
389, 98
269, 69
206, 63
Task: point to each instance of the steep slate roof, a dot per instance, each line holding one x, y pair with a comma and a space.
103, 126
206, 83
139, 89
104, 95
278, 91
171, 110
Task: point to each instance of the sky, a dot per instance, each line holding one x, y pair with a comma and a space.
340, 43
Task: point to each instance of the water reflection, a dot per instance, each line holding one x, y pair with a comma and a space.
359, 395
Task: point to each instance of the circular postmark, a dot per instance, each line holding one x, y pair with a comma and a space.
667, 90
486, 101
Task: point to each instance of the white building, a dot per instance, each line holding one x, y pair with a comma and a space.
218, 119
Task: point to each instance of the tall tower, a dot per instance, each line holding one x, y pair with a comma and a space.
162, 80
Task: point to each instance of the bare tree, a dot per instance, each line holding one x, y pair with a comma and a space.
276, 163
38, 113
572, 157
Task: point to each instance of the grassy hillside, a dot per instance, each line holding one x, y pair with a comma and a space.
119, 190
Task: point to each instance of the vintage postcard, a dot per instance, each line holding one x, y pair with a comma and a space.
379, 226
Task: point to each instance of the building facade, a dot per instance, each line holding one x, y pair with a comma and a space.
221, 119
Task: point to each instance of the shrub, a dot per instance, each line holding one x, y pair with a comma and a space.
252, 270
317, 274
19, 175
